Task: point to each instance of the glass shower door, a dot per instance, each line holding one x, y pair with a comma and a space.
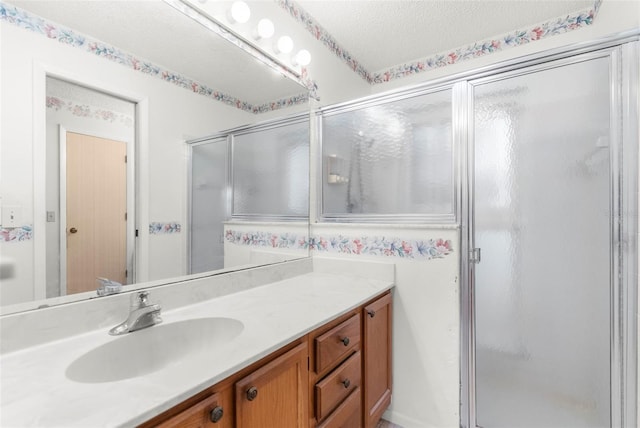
209, 205
541, 218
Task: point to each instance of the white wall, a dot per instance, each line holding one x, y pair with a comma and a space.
425, 323
172, 115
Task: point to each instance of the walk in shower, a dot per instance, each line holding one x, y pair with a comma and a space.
551, 231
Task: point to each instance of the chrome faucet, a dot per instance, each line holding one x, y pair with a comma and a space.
143, 314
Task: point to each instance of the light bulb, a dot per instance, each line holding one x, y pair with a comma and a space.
239, 12
285, 44
303, 57
265, 29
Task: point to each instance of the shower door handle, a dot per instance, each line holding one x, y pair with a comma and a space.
475, 255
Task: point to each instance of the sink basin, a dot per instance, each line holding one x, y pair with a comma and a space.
152, 349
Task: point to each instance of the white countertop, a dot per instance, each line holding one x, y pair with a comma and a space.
35, 392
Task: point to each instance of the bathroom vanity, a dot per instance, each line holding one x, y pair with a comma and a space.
338, 375
308, 349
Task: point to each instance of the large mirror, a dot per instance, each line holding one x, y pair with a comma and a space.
86, 103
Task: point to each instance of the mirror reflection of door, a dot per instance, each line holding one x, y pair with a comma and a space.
96, 211
209, 207
89, 133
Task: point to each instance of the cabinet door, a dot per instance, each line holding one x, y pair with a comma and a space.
208, 413
275, 395
377, 359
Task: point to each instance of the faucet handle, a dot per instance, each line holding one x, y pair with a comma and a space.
139, 300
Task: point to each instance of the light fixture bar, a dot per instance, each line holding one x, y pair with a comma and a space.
231, 36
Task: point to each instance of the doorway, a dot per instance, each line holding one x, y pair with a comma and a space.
550, 274
90, 175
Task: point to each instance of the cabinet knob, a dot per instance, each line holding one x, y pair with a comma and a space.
73, 230
252, 393
216, 414
371, 313
346, 383
345, 341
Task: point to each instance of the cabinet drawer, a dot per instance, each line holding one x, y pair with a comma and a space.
333, 389
337, 343
347, 415
201, 415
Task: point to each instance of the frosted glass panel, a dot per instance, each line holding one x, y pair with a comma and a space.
208, 205
543, 225
389, 159
271, 172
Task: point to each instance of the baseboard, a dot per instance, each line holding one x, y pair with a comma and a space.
402, 420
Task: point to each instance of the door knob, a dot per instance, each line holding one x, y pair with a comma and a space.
73, 230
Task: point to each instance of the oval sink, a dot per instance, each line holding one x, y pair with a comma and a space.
151, 349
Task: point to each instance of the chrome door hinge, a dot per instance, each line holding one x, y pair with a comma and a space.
475, 256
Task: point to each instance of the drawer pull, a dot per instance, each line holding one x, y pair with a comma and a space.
252, 393
371, 313
346, 383
216, 414
345, 341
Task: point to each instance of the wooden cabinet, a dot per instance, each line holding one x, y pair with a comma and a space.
337, 376
275, 394
211, 412
377, 359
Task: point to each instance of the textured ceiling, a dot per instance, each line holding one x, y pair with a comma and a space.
154, 31
381, 34
378, 34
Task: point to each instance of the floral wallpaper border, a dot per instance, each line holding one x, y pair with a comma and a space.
85, 110
16, 234
365, 245
384, 246
26, 20
266, 239
25, 233
159, 228
519, 37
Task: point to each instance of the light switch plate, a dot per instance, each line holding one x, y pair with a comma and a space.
51, 216
11, 216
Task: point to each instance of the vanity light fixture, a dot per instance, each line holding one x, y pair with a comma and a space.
264, 30
303, 58
284, 45
263, 55
239, 12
